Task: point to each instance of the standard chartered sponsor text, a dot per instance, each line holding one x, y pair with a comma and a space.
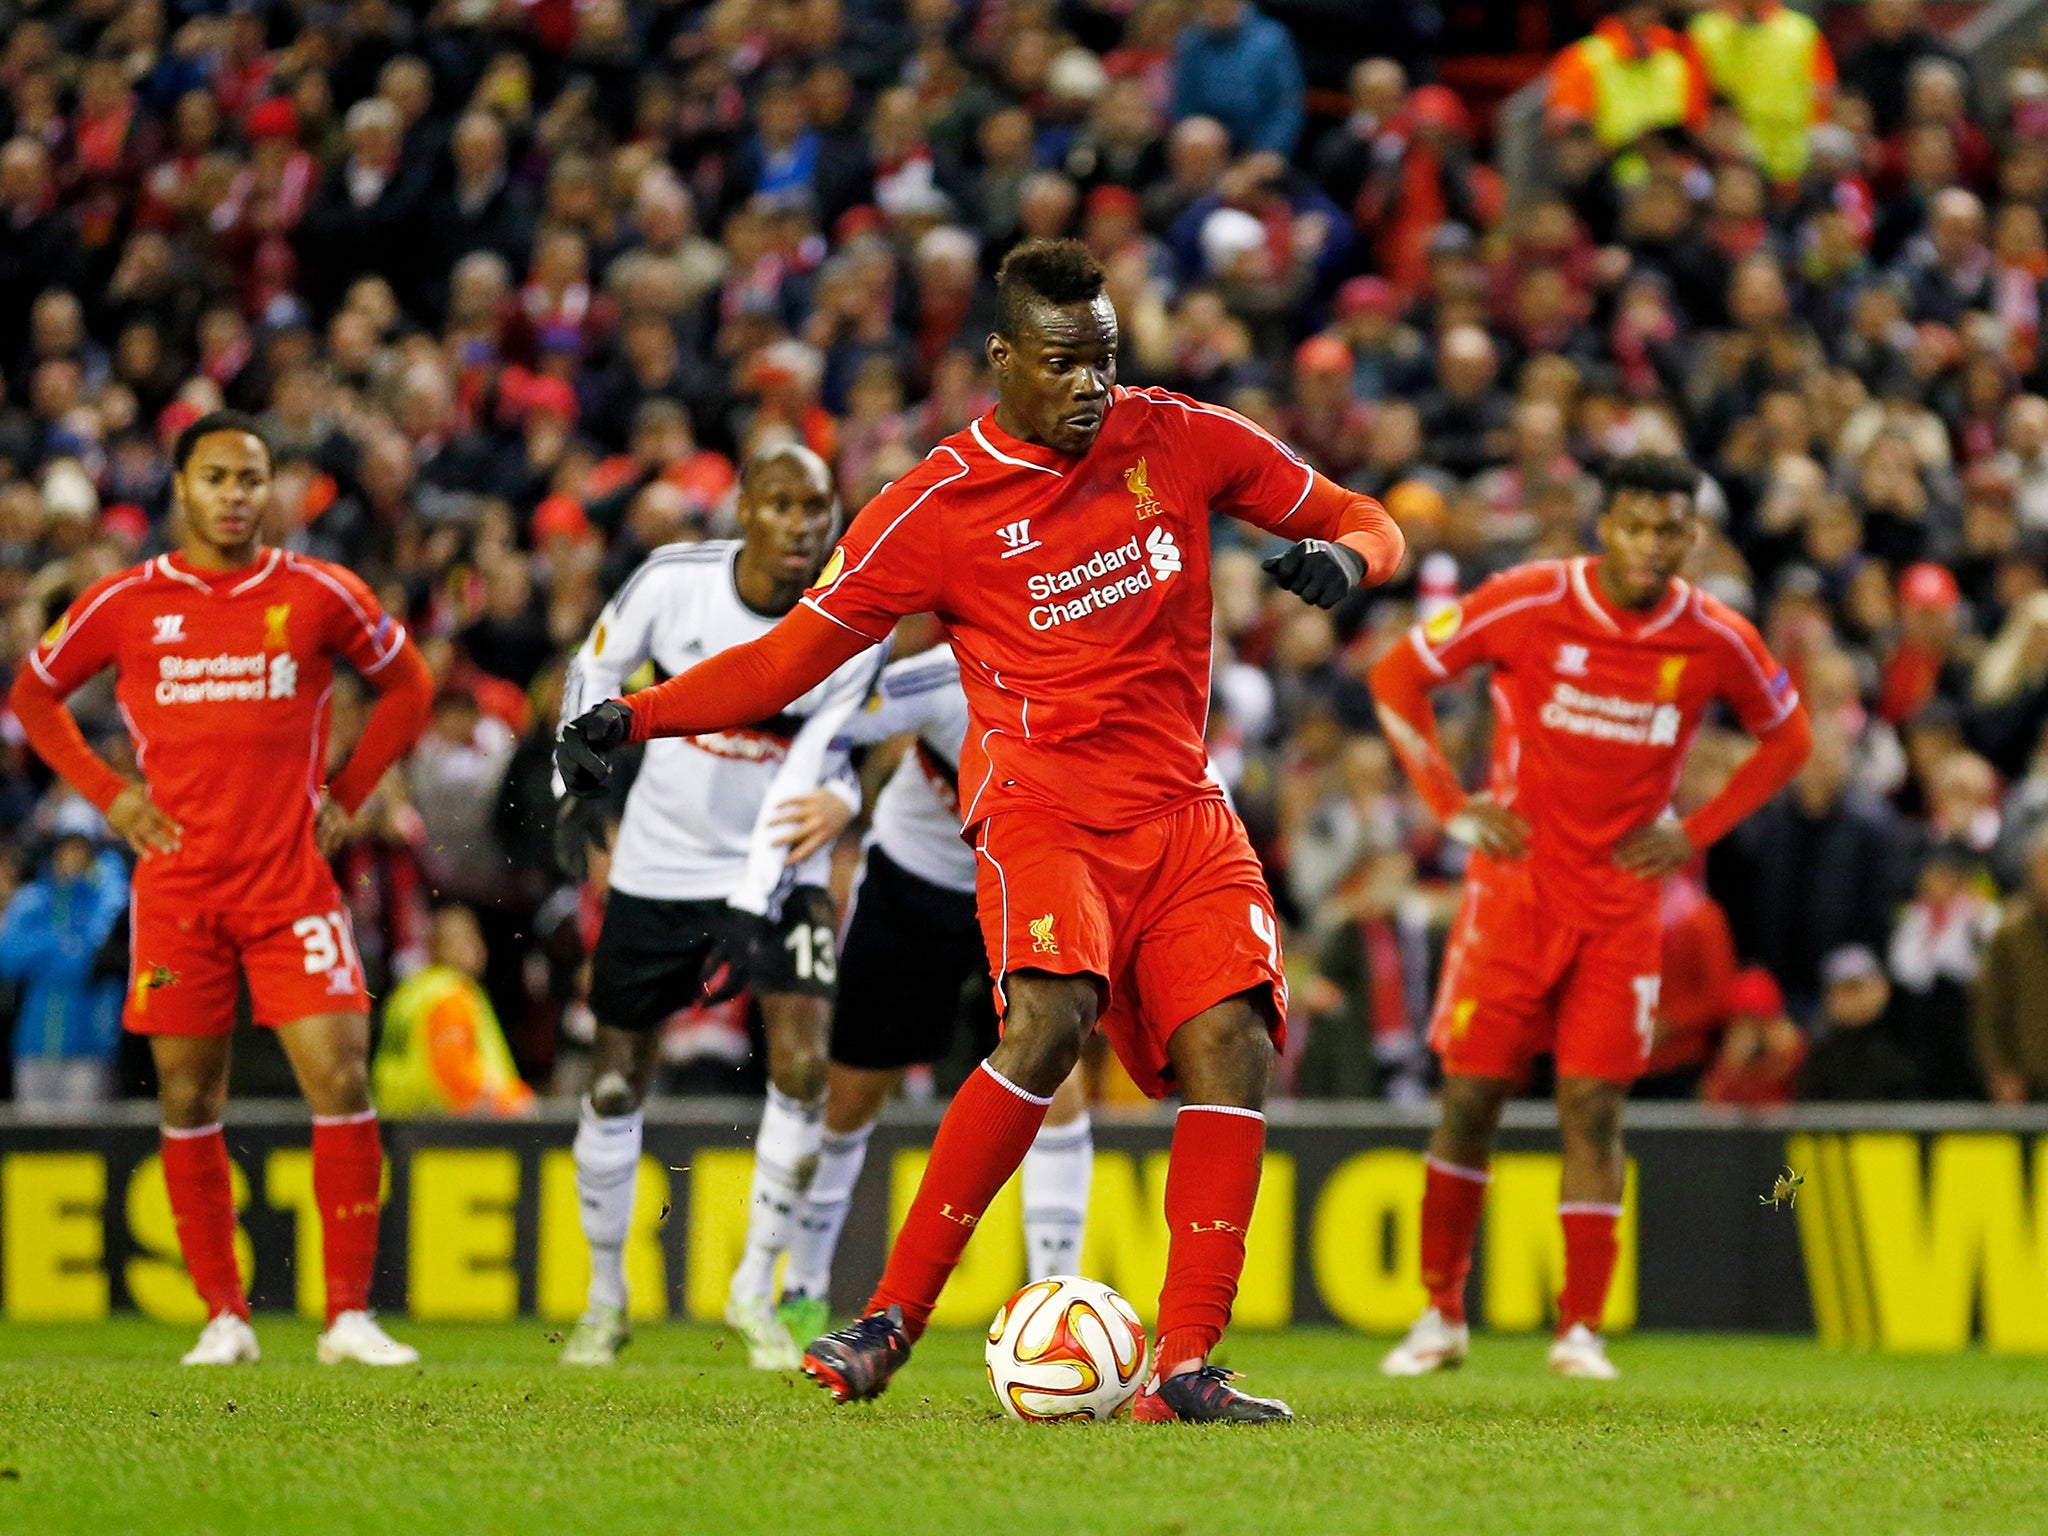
1050, 615
225, 679
1607, 718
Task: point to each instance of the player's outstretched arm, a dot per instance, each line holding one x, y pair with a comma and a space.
405, 700
747, 683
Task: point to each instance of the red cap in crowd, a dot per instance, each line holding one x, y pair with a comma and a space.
125, 521
521, 392
1927, 585
274, 118
1111, 198
1367, 296
1753, 993
559, 517
862, 219
1438, 106
1322, 354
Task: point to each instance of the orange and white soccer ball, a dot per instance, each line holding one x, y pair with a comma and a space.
1065, 1348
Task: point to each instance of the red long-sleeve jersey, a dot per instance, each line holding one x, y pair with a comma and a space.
1595, 708
223, 680
1075, 591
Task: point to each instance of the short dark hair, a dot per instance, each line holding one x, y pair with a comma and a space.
1058, 272
1660, 474
206, 426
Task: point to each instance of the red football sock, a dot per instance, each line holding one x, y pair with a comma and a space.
348, 1167
1452, 1198
203, 1206
987, 1130
1212, 1183
1589, 1250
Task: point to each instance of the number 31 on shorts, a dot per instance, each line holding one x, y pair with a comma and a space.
330, 945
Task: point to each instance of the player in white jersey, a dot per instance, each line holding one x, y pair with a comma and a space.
912, 950
717, 881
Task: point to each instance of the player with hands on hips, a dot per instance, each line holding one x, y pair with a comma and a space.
1603, 669
223, 654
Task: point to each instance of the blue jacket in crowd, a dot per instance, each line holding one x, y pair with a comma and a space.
1248, 79
49, 937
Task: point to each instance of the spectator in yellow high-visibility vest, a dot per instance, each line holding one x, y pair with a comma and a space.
1630, 77
443, 1052
1772, 65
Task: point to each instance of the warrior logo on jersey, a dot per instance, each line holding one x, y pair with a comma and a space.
274, 621
1668, 674
170, 628
1571, 660
1043, 940
1016, 537
1134, 480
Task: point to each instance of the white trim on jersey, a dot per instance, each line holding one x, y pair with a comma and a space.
264, 570
989, 448
70, 630
1734, 638
340, 590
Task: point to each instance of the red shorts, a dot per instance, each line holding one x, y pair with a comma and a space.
1173, 915
184, 966
1517, 982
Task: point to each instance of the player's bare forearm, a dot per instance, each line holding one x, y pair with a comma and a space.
1779, 754
405, 701
749, 682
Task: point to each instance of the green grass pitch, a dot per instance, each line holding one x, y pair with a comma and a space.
101, 1432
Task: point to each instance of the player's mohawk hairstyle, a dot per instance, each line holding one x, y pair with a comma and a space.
1051, 271
1660, 474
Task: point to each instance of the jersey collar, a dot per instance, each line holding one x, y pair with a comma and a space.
227, 583
1014, 451
1619, 621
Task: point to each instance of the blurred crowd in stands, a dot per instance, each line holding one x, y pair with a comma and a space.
514, 284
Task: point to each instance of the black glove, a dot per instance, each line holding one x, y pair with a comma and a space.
1319, 571
580, 825
580, 754
737, 951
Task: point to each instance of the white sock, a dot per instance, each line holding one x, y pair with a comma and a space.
785, 1154
1056, 1174
822, 1212
607, 1158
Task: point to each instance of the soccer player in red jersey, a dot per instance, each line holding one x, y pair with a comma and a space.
1063, 542
1602, 671
224, 656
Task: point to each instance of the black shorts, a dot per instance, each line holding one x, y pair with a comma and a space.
650, 954
911, 949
